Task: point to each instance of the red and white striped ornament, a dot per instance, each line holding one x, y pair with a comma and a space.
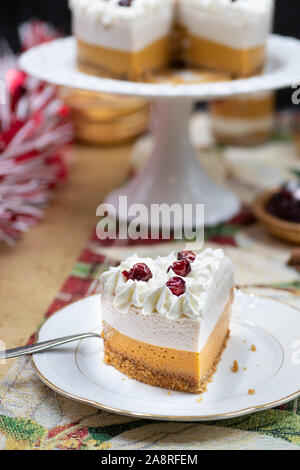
34, 131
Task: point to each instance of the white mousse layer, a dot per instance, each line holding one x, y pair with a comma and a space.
239, 127
242, 24
257, 96
130, 29
149, 312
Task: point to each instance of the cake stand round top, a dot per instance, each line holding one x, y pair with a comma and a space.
55, 62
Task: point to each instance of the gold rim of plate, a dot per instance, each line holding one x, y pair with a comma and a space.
288, 231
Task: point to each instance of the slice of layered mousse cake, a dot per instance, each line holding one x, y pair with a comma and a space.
226, 35
123, 39
166, 321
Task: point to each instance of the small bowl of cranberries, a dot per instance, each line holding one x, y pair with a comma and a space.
279, 211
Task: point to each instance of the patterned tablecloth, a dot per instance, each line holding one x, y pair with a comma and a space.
34, 417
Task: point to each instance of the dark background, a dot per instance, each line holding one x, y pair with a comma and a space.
14, 12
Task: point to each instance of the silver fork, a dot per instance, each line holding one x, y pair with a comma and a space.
43, 346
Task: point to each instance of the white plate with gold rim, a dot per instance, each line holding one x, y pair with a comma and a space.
272, 370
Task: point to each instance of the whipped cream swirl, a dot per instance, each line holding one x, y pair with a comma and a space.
154, 296
237, 8
109, 11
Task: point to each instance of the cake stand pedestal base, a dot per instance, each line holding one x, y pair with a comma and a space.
172, 175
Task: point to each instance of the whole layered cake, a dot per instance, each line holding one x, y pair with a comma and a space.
166, 320
133, 39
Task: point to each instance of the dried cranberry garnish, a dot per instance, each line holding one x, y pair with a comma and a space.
181, 268
139, 272
125, 3
190, 255
286, 203
176, 285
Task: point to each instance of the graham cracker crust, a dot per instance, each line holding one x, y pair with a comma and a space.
136, 370
251, 139
91, 69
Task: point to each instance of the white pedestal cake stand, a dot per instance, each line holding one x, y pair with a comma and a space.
172, 174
